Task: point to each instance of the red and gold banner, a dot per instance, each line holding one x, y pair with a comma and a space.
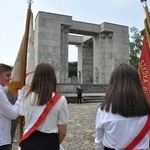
144, 64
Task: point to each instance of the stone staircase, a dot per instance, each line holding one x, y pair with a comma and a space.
86, 97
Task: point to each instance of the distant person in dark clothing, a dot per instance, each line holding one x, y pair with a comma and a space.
79, 94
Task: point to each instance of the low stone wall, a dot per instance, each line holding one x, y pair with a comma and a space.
71, 88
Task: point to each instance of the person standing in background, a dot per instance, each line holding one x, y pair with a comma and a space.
50, 133
124, 112
79, 94
8, 111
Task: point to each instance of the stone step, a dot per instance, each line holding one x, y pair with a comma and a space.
86, 97
92, 99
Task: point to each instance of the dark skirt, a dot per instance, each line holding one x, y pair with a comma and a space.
5, 147
106, 148
41, 141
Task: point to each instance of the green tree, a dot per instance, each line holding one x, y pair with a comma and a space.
72, 69
135, 46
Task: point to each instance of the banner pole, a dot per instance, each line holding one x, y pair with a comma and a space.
146, 12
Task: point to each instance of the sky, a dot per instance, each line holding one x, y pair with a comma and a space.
13, 17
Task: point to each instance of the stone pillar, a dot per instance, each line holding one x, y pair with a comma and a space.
111, 47
85, 62
64, 55
99, 60
51, 42
121, 46
80, 66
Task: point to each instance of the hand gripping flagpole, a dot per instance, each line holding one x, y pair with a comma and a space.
24, 58
146, 12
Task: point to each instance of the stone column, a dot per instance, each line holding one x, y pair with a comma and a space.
80, 62
64, 55
99, 59
51, 42
85, 62
103, 60
111, 47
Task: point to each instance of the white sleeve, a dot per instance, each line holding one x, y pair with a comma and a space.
6, 108
63, 113
99, 131
21, 110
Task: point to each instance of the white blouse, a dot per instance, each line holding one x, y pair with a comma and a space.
8, 112
115, 131
58, 114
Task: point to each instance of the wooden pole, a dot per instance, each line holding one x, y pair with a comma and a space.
146, 12
24, 58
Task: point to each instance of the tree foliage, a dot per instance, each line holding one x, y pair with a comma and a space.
135, 46
72, 69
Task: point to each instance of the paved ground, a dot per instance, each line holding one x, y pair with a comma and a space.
80, 135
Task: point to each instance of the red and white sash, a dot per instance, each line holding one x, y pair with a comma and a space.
140, 136
38, 118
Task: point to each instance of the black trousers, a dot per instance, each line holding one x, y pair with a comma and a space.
106, 148
79, 98
5, 147
41, 141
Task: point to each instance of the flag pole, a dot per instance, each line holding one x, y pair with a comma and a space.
24, 58
24, 53
146, 12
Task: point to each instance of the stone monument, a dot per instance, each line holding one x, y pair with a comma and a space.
101, 47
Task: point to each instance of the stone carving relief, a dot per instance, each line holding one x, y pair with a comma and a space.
74, 80
118, 61
79, 74
96, 75
50, 57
